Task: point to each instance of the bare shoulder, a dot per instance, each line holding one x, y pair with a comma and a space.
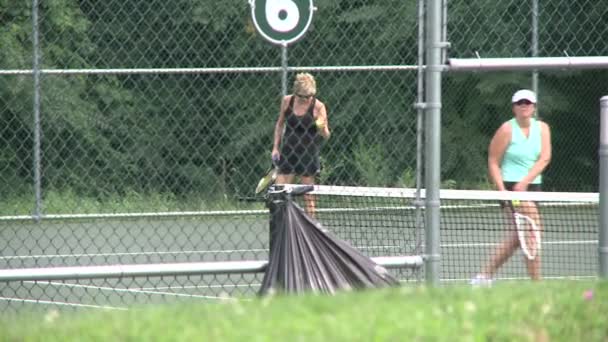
504, 129
319, 105
543, 125
285, 102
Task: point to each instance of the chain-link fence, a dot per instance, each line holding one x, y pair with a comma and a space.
476, 104
156, 118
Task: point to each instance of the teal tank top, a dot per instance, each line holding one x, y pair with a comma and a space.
522, 153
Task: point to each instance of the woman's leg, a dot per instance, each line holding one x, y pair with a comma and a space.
309, 200
502, 253
285, 178
506, 248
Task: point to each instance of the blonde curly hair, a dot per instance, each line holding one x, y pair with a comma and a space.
305, 84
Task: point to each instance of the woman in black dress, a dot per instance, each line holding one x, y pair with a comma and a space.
302, 120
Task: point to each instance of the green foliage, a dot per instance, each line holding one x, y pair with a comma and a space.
128, 201
370, 164
408, 179
330, 171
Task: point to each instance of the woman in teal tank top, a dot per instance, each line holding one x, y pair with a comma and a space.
518, 153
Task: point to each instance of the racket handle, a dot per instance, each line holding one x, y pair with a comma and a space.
275, 159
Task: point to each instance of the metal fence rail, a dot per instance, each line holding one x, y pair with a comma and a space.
121, 286
174, 269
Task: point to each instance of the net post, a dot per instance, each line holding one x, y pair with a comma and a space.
603, 157
275, 202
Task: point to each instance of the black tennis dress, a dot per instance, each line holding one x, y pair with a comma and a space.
300, 150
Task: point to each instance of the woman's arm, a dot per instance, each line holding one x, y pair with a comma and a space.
496, 150
321, 119
278, 128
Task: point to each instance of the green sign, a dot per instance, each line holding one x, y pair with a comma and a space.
281, 21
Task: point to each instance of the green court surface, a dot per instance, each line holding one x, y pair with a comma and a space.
468, 236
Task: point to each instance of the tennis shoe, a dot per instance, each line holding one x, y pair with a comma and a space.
481, 280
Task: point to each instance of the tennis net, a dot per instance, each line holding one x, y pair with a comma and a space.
473, 223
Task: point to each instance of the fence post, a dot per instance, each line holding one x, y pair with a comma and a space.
37, 214
535, 50
433, 139
603, 157
284, 72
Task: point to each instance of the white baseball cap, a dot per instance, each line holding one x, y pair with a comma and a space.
524, 94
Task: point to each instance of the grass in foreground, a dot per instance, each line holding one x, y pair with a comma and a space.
546, 311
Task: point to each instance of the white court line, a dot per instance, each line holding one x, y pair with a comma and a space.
138, 291
143, 291
454, 280
211, 286
102, 288
490, 244
48, 302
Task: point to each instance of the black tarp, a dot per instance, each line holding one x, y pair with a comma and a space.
305, 257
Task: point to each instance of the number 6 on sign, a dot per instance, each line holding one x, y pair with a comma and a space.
282, 16
281, 21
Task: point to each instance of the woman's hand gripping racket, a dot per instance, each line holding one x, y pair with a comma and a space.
527, 232
269, 177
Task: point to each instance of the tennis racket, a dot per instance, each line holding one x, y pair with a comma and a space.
269, 177
528, 234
